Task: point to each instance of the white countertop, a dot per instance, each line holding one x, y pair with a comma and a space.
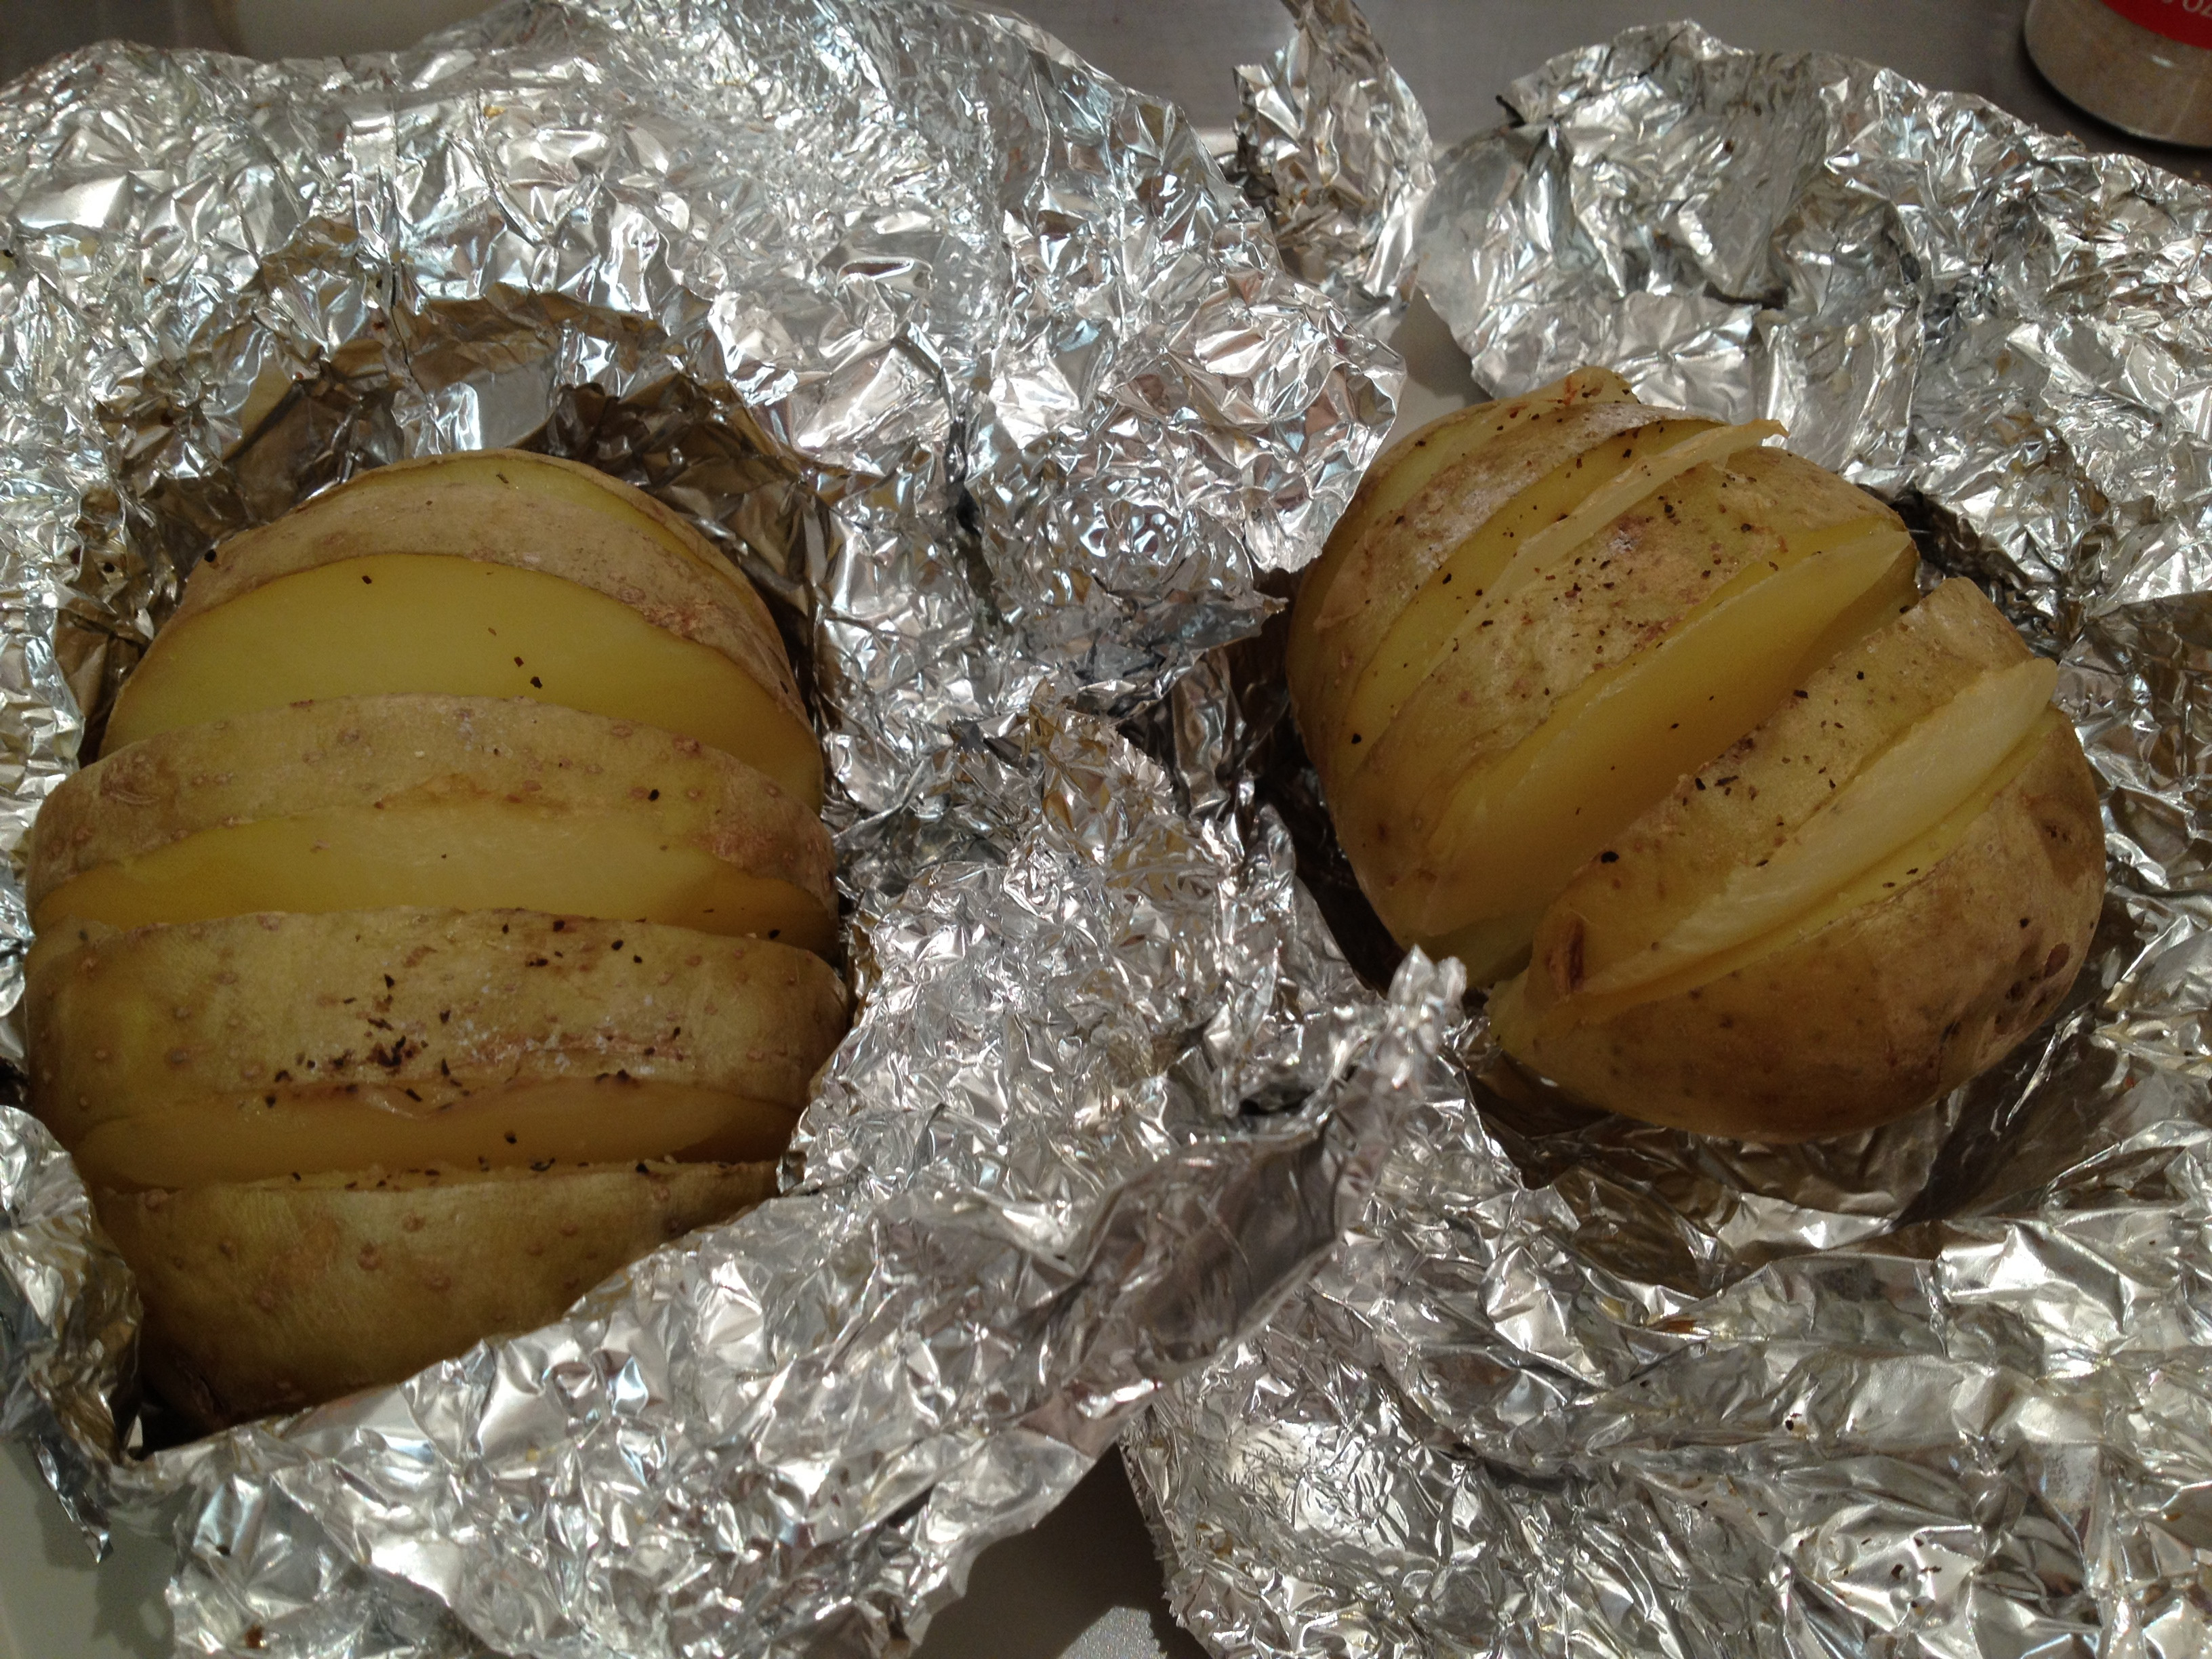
1084, 1585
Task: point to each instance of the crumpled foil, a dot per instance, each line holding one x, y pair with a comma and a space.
1332, 141
1000, 388
1578, 1386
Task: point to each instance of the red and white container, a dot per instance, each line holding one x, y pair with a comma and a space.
2144, 65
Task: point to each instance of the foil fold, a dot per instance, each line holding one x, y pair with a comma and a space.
1332, 141
1001, 389
1576, 1385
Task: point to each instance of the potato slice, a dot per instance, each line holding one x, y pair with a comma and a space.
613, 1119
1879, 1001
364, 803
1917, 781
418, 622
596, 585
419, 1009
1751, 800
1512, 835
268, 1296
1406, 470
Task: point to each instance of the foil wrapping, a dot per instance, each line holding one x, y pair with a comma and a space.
1000, 388
1578, 1386
1331, 140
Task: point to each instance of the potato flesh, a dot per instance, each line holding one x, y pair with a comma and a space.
1871, 1008
532, 1126
1918, 782
1514, 834
1397, 484
477, 854
424, 622
1342, 625
1514, 547
1748, 801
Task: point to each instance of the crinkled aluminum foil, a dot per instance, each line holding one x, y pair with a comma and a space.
1333, 141
983, 368
1575, 1386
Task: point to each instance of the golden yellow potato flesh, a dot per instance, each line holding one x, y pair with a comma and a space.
1635, 584
1530, 542
581, 535
1674, 859
1404, 472
418, 622
1453, 545
1623, 736
365, 803
269, 1296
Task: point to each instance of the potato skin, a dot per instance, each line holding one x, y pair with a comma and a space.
440, 1003
1877, 1013
348, 752
501, 515
270, 1296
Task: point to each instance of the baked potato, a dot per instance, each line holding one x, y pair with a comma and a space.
447, 923
1659, 714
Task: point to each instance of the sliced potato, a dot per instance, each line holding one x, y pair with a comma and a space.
437, 574
1531, 540
1519, 830
365, 803
417, 621
421, 1009
1454, 538
1405, 471
1896, 991
269, 1296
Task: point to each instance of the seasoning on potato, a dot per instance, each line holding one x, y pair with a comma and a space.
1649, 725
445, 926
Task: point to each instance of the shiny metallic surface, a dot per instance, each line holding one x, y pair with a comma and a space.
1574, 1385
1333, 139
1000, 388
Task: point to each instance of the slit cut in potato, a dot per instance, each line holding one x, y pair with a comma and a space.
1365, 599
1511, 547
1916, 975
1705, 536
364, 803
1408, 467
471, 562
